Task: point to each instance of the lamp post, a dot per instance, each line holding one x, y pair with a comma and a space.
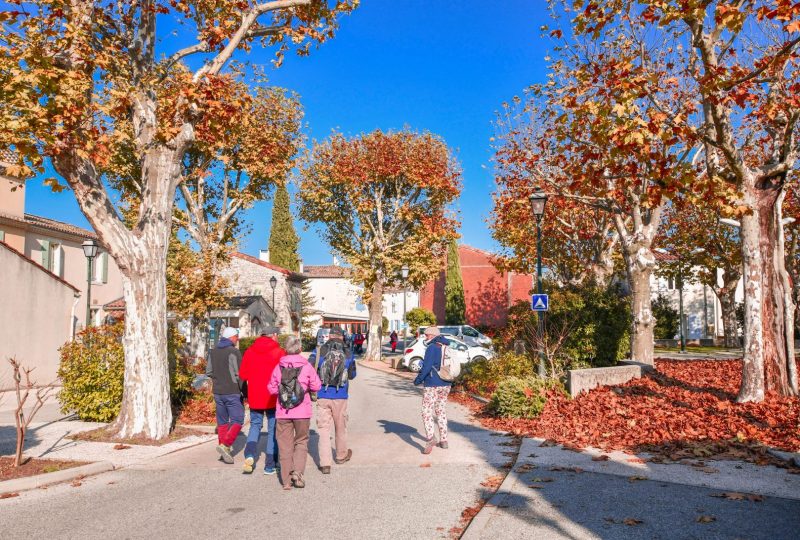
538, 202
90, 248
404, 274
273, 282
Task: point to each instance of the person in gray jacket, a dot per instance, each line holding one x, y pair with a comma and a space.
223, 369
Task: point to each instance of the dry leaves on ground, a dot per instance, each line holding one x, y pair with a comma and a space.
632, 521
705, 519
736, 496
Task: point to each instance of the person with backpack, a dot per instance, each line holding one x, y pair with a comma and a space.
259, 361
292, 381
336, 368
222, 367
434, 376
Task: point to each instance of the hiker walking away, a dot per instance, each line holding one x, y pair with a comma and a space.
222, 368
336, 368
393, 340
292, 381
436, 389
259, 361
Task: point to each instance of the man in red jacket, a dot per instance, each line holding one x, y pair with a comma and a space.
259, 361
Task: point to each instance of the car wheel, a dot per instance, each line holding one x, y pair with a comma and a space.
477, 358
415, 364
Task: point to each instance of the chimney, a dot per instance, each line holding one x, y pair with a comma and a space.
301, 266
263, 255
335, 261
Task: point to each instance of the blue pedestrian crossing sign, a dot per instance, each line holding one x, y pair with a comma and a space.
540, 302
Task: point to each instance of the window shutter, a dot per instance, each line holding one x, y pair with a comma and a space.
104, 267
46, 263
2, 235
58, 266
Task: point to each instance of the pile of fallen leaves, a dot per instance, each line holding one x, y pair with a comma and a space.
198, 409
684, 409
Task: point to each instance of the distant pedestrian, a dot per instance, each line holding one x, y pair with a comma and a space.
358, 342
258, 364
336, 368
223, 369
434, 397
393, 340
292, 381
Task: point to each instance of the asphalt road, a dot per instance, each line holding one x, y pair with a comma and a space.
388, 490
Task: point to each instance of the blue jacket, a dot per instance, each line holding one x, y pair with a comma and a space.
429, 376
331, 392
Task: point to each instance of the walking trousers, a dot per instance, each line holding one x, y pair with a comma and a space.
331, 413
292, 446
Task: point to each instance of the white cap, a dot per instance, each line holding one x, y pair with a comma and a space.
229, 332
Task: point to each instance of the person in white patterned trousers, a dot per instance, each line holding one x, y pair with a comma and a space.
434, 397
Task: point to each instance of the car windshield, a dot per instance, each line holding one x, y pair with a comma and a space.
450, 330
469, 331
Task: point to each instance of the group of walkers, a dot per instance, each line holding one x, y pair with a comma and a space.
280, 386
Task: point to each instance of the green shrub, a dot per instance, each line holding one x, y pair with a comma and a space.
92, 370
596, 320
246, 342
309, 342
521, 397
419, 317
384, 325
666, 318
482, 376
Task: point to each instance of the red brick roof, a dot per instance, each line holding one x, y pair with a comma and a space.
115, 305
327, 271
7, 156
40, 267
274, 267
664, 257
59, 226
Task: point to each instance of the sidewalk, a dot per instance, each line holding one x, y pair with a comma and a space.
555, 493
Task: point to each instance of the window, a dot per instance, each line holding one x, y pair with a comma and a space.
100, 268
671, 284
469, 331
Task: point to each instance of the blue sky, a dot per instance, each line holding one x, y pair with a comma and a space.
442, 66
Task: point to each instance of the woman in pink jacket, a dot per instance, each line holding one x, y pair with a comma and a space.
293, 419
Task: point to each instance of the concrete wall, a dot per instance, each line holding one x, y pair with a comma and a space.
339, 296
583, 380
36, 317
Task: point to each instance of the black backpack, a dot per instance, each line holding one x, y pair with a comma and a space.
291, 392
332, 372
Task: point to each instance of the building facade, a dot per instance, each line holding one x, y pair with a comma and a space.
337, 300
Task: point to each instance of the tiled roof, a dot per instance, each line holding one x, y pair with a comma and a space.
327, 271
664, 257
59, 226
115, 305
40, 267
274, 267
7, 156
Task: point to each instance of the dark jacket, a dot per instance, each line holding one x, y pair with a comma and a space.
259, 361
429, 375
223, 368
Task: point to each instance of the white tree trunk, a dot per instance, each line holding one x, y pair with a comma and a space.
374, 350
639, 270
727, 301
768, 362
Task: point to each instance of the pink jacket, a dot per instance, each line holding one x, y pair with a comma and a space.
309, 380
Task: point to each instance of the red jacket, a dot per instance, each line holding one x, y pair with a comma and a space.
258, 364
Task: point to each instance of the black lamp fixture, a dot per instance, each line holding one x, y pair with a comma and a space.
273, 282
538, 201
90, 249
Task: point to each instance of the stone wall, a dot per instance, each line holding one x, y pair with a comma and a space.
583, 380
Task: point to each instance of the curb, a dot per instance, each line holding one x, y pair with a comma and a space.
793, 458
33, 482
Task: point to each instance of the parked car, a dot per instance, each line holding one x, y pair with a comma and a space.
415, 352
465, 333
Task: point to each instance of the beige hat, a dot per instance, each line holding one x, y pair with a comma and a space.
432, 331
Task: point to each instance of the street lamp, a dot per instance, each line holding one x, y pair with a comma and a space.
538, 201
273, 282
90, 248
404, 274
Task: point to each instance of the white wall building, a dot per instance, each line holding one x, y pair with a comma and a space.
393, 306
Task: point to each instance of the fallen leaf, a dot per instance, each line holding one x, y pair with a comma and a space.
637, 478
636, 460
76, 483
526, 467
121, 446
755, 498
730, 495
548, 442
9, 495
708, 470
705, 519
493, 482
601, 457
632, 521
534, 486
425, 465
542, 480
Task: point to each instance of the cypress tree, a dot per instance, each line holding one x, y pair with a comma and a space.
283, 240
454, 303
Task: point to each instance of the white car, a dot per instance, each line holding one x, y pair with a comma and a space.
415, 352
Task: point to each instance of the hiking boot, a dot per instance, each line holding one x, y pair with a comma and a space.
428, 447
326, 469
247, 468
297, 480
225, 453
346, 458
443, 445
